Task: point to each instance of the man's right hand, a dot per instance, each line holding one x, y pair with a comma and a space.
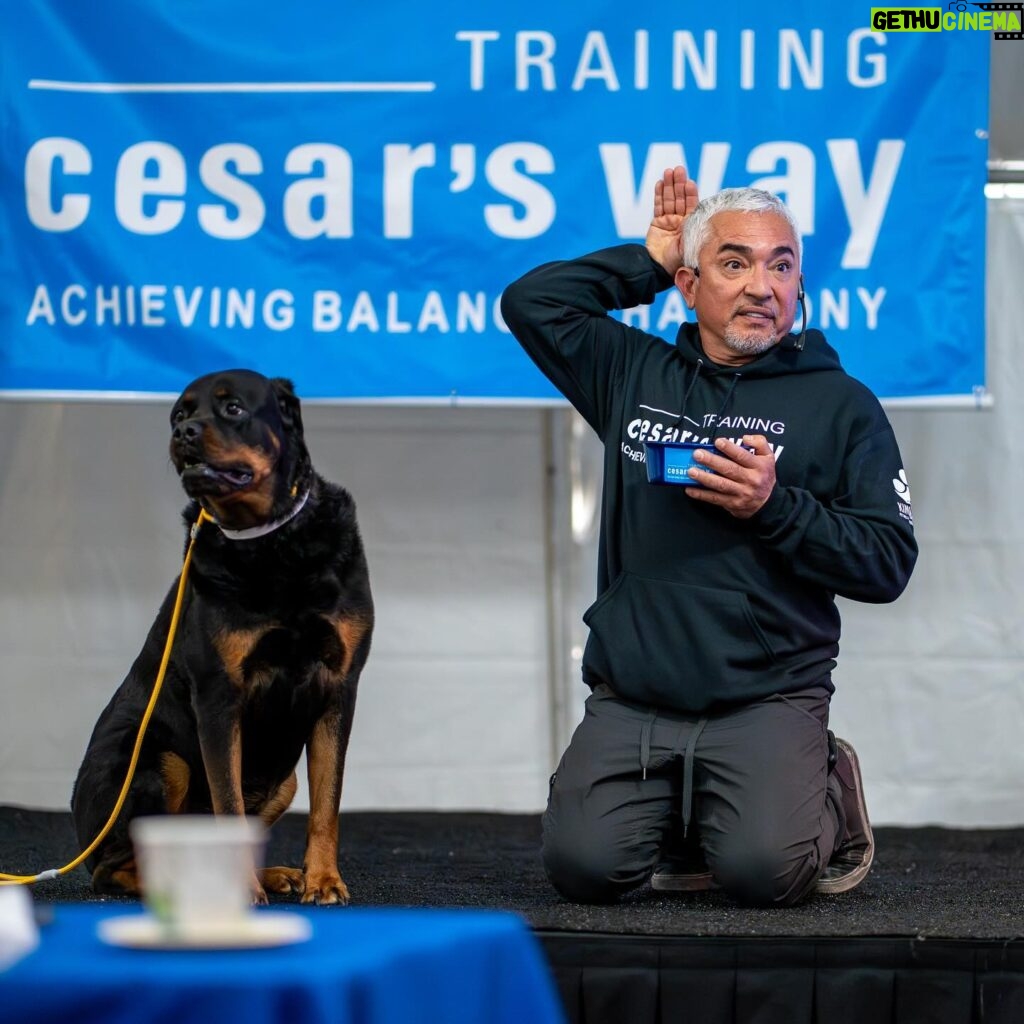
675, 198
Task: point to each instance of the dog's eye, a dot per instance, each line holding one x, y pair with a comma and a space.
233, 408
177, 416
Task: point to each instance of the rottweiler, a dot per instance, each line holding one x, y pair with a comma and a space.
275, 629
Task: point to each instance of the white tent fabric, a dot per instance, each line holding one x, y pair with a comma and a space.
481, 556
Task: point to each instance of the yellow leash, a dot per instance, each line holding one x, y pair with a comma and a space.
204, 516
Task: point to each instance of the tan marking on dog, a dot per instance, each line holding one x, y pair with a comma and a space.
351, 632
224, 776
257, 496
279, 801
322, 765
282, 880
125, 878
323, 881
325, 889
176, 775
234, 646
236, 768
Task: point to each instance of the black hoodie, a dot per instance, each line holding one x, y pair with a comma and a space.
697, 609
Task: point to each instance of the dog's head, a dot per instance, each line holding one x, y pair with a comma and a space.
237, 444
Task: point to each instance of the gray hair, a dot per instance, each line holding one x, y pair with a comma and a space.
743, 200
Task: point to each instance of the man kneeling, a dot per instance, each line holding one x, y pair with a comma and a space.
704, 756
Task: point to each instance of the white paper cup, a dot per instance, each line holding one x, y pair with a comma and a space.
19, 934
197, 870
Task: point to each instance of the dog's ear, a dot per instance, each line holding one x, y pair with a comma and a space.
288, 403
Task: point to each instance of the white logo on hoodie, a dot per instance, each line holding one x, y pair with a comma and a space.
902, 488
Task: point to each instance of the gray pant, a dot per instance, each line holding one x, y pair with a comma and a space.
767, 814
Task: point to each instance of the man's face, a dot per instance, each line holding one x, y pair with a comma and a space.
745, 295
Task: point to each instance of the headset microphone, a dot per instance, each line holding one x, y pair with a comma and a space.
799, 343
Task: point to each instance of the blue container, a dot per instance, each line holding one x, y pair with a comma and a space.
668, 461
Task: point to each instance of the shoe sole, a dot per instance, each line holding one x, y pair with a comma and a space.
683, 883
844, 883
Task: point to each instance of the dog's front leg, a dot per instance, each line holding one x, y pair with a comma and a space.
217, 701
220, 740
325, 756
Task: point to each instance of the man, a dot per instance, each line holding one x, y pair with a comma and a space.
715, 629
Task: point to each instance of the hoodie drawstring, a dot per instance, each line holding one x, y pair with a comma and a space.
688, 392
645, 742
725, 401
691, 746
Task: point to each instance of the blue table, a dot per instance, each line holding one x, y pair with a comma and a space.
380, 966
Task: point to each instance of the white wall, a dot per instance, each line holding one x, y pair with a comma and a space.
479, 582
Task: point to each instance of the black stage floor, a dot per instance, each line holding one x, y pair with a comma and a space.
935, 933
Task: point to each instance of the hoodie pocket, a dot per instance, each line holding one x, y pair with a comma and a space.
676, 645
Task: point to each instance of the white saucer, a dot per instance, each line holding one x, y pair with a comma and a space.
258, 930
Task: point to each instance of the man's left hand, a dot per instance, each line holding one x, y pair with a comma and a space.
742, 480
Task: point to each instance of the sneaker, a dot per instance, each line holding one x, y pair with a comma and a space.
683, 870
852, 861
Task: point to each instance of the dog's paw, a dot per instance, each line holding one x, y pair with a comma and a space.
282, 881
259, 895
326, 890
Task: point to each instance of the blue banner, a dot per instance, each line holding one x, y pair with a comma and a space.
338, 193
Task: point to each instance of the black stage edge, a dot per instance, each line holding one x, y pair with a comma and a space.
935, 934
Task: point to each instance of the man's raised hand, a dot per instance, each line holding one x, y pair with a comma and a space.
675, 197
